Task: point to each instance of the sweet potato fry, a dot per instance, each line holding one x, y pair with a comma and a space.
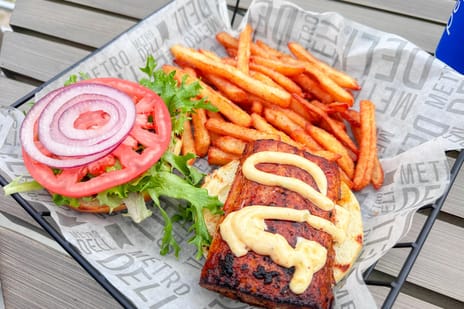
356, 131
301, 110
368, 146
265, 79
254, 100
339, 128
227, 40
333, 114
200, 133
257, 107
231, 43
219, 157
261, 124
210, 54
230, 129
285, 68
232, 52
279, 78
309, 85
215, 115
190, 71
335, 128
270, 77
280, 120
243, 51
297, 133
293, 116
270, 52
341, 78
230, 110
188, 144
228, 89
344, 177
202, 62
377, 171
352, 116
304, 138
331, 143
337, 107
336, 92
230, 144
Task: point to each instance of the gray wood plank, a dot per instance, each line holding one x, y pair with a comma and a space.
12, 90
439, 266
36, 57
454, 202
420, 32
67, 22
36, 276
13, 54
132, 8
431, 10
403, 301
11, 208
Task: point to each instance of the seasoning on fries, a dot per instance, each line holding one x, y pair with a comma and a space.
243, 53
217, 156
200, 133
204, 63
234, 130
368, 146
188, 144
342, 79
294, 97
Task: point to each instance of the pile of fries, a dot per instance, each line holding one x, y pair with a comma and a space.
263, 93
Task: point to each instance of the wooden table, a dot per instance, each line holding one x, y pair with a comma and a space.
49, 36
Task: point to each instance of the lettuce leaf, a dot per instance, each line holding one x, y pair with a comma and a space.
181, 100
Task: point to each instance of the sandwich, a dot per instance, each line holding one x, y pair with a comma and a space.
106, 145
290, 231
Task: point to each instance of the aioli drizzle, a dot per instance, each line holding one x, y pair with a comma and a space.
245, 229
320, 199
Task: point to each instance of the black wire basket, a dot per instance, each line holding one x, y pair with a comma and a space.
395, 285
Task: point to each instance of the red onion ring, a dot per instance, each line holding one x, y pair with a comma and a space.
81, 142
67, 114
53, 114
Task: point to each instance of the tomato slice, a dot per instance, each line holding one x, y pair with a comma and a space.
146, 143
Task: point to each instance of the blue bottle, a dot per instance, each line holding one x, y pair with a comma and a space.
450, 49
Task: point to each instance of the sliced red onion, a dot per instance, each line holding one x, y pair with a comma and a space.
56, 113
66, 116
80, 141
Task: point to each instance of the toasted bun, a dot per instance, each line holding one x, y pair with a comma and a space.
95, 207
348, 216
348, 251
218, 183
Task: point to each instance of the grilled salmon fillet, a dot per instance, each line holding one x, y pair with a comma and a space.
255, 278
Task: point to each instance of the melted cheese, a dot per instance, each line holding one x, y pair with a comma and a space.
245, 229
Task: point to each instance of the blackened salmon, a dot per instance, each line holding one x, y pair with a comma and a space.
254, 278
